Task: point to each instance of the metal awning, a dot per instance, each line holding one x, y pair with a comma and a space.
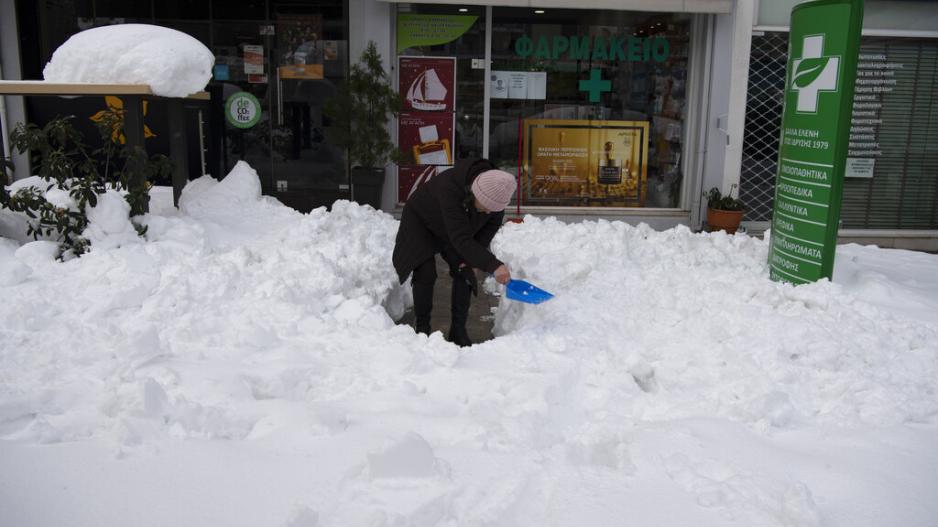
8, 87
669, 6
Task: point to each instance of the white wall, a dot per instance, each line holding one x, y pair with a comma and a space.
371, 20
717, 138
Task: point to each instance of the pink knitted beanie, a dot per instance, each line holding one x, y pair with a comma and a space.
493, 189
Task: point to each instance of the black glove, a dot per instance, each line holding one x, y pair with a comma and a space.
469, 276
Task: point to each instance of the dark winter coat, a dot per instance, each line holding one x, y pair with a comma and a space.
440, 217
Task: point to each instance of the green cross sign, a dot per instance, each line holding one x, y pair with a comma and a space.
595, 85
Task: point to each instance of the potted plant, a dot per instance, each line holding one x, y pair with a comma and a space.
724, 212
360, 112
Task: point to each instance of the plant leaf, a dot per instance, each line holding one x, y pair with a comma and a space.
808, 70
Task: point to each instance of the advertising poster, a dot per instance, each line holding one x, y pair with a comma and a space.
426, 138
428, 84
426, 125
410, 178
253, 60
300, 46
601, 163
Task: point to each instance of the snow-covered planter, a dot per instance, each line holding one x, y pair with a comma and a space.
63, 202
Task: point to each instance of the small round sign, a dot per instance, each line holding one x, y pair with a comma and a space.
242, 110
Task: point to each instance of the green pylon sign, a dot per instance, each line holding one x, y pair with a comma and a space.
822, 69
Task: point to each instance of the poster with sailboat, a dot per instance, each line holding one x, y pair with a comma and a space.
428, 84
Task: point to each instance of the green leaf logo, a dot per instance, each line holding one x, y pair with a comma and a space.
808, 70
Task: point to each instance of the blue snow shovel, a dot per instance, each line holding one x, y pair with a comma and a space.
524, 292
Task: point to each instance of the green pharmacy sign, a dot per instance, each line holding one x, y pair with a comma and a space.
631, 49
822, 68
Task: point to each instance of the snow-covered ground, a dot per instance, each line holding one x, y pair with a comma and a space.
241, 368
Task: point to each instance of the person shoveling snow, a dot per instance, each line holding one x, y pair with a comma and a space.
456, 215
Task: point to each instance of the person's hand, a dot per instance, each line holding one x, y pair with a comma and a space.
502, 274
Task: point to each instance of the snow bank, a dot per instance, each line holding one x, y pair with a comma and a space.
668, 383
109, 224
172, 63
694, 319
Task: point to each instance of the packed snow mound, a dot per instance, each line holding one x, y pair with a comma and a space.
171, 62
669, 381
207, 195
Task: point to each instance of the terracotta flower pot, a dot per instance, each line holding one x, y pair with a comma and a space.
726, 220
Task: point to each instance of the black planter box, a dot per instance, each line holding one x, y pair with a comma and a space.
366, 186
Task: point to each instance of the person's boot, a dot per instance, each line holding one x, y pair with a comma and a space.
459, 312
423, 307
459, 336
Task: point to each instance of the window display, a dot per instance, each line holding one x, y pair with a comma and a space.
595, 71
587, 161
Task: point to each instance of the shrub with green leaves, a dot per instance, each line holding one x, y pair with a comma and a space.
360, 111
64, 161
716, 200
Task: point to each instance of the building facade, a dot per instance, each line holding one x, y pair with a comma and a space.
620, 109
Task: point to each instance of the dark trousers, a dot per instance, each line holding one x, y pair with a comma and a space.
422, 281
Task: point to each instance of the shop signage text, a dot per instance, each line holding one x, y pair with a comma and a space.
876, 78
415, 30
819, 88
632, 49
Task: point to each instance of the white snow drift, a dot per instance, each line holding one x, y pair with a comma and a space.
240, 368
171, 62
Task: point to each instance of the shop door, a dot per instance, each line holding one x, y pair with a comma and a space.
308, 53
291, 63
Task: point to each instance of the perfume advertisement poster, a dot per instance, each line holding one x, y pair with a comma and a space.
426, 138
600, 163
427, 84
410, 178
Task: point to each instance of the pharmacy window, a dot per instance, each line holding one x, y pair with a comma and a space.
590, 105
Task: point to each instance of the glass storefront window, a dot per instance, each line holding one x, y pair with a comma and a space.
289, 56
181, 10
469, 50
123, 9
591, 104
239, 9
440, 74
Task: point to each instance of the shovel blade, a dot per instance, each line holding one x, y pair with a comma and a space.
524, 292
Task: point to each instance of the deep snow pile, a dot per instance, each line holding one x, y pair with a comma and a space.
669, 383
171, 62
695, 316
